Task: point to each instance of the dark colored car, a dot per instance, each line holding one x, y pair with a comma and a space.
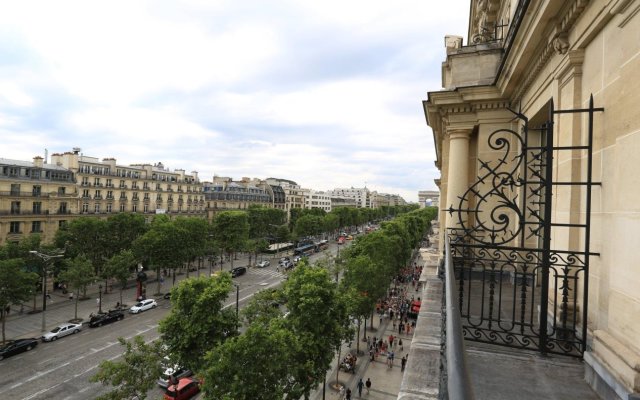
185, 389
237, 271
106, 318
14, 347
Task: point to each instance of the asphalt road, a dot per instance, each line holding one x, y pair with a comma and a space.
61, 369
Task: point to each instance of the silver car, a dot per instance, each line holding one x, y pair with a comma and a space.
143, 305
61, 331
264, 264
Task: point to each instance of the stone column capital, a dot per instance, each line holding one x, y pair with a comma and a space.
459, 133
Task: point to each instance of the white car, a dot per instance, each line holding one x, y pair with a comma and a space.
61, 331
264, 264
174, 371
143, 305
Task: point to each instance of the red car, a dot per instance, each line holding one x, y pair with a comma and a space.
185, 389
341, 240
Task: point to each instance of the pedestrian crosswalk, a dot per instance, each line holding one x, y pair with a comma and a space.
266, 272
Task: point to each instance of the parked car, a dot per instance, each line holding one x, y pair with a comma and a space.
283, 260
175, 371
61, 330
183, 390
143, 306
105, 318
17, 346
288, 265
237, 271
263, 264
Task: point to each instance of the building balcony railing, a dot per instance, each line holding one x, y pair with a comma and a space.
458, 382
67, 195
63, 212
14, 193
24, 212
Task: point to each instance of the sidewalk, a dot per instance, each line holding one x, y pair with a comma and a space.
385, 381
60, 309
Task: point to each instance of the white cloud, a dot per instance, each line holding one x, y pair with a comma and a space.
325, 93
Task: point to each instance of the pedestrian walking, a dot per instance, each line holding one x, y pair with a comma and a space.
70, 295
400, 328
400, 344
391, 338
360, 385
403, 363
348, 396
368, 385
341, 394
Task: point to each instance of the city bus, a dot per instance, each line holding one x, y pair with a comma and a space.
305, 250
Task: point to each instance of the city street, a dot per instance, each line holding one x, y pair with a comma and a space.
61, 369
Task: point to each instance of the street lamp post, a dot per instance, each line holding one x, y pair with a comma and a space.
46, 258
99, 299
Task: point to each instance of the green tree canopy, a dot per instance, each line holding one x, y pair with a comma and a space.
135, 374
198, 322
255, 365
78, 274
16, 286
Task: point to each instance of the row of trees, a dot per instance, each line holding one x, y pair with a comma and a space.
278, 356
110, 249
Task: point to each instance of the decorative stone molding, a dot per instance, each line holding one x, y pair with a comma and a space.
559, 44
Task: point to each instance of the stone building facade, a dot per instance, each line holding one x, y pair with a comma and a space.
35, 198
224, 194
106, 187
318, 199
39, 197
539, 58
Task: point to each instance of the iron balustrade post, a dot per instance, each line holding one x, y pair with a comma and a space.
458, 381
546, 237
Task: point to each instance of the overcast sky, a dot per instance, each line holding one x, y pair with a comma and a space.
326, 93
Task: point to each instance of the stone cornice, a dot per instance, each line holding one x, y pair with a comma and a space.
557, 43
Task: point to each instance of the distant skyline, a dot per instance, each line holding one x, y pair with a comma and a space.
327, 94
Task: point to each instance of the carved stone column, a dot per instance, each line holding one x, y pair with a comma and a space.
458, 179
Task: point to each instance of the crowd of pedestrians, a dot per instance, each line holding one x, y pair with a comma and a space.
396, 308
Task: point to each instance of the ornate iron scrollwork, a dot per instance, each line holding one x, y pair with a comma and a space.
514, 289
